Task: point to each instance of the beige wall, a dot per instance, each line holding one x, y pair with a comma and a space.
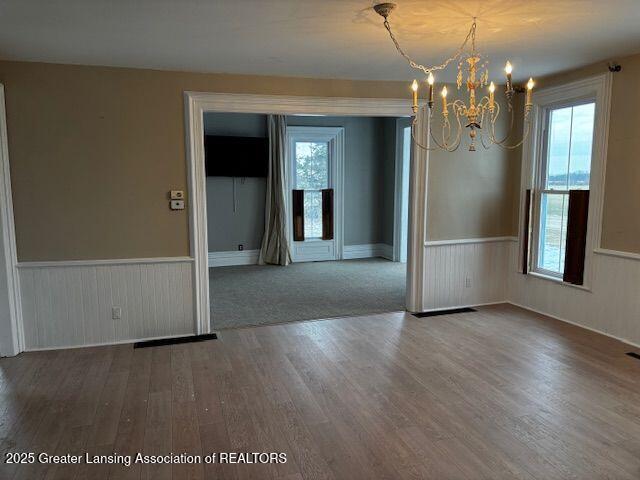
477, 195
472, 194
95, 150
621, 220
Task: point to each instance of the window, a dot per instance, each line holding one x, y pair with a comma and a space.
565, 165
312, 175
315, 192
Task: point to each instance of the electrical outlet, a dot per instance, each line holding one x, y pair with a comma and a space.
467, 282
241, 247
116, 313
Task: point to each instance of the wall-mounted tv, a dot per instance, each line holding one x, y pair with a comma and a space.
236, 156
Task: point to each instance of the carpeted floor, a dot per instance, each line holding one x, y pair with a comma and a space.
259, 295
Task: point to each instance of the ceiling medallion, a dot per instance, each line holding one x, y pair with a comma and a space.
479, 116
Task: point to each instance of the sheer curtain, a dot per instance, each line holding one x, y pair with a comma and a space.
275, 246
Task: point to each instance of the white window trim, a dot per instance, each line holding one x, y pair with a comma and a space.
334, 136
597, 88
540, 174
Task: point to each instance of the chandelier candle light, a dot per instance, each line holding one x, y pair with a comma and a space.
479, 116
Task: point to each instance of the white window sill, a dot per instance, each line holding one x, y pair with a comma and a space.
559, 281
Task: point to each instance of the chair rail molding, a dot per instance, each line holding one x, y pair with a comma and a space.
617, 253
11, 323
458, 241
197, 103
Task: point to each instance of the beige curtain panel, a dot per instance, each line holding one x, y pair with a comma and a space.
275, 246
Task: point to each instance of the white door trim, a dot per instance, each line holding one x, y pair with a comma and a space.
11, 327
197, 103
399, 192
335, 137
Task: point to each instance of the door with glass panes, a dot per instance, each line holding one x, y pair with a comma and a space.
314, 177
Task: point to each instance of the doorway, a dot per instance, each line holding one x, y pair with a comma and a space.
316, 178
339, 177
196, 104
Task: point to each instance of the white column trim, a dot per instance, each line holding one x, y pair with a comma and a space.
197, 206
418, 186
196, 103
12, 338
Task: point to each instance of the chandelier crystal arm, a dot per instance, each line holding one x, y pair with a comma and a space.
414, 123
503, 142
520, 143
444, 145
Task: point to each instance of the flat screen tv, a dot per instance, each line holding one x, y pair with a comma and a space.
236, 156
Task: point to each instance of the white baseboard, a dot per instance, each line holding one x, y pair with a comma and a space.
386, 251
106, 344
575, 324
368, 250
539, 312
473, 305
234, 257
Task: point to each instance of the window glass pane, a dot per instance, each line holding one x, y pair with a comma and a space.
312, 165
553, 231
558, 149
581, 144
312, 214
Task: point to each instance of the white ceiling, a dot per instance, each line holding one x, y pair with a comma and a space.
315, 38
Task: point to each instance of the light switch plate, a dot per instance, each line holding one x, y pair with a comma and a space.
177, 205
177, 194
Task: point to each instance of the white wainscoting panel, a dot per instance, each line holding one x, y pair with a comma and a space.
610, 306
234, 257
460, 273
68, 304
368, 250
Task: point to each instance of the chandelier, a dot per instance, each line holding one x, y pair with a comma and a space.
479, 115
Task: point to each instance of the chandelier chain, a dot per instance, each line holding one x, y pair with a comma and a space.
480, 112
427, 69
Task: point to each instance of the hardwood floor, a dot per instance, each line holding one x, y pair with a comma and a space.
496, 394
